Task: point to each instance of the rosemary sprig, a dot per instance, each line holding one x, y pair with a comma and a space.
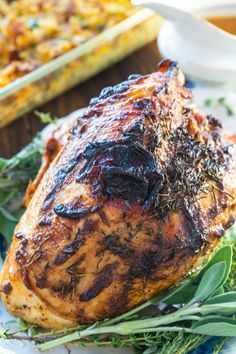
15, 174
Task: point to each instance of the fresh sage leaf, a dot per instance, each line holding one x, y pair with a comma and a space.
180, 295
224, 254
221, 329
222, 298
226, 308
156, 300
210, 319
219, 291
210, 281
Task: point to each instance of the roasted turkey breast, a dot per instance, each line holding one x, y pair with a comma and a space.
140, 193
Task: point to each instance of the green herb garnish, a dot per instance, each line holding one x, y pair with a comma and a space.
46, 118
15, 174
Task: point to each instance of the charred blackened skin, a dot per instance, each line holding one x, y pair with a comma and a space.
109, 91
89, 226
139, 132
103, 280
21, 251
112, 243
42, 280
144, 265
114, 90
60, 178
127, 169
69, 250
20, 258
194, 226
74, 211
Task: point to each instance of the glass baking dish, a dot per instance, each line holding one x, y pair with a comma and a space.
77, 65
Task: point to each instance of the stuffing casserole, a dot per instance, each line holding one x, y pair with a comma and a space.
34, 33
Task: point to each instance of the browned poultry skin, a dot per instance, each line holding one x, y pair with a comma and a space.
139, 195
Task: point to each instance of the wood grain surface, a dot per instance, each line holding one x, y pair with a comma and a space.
16, 135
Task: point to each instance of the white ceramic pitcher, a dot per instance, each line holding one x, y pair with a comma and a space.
203, 50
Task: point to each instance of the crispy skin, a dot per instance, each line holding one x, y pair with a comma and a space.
139, 195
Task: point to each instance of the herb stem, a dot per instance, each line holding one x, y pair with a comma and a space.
126, 328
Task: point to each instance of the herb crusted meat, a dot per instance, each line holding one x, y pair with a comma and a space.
140, 194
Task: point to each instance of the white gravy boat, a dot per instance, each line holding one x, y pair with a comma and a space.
203, 50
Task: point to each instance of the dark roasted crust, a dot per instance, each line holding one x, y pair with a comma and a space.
141, 193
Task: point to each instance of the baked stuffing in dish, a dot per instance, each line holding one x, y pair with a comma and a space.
85, 36
33, 33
